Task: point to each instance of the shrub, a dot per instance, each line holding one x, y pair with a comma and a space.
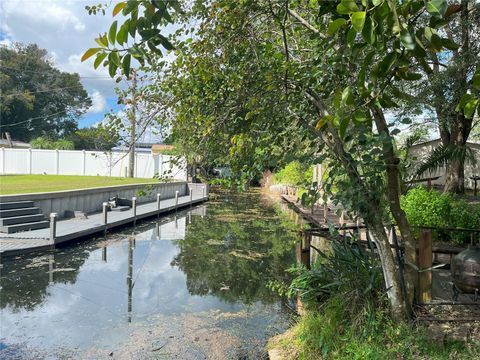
294, 174
430, 208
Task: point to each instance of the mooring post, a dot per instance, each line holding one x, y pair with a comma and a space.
53, 227
158, 204
424, 263
134, 209
176, 199
191, 196
105, 218
51, 262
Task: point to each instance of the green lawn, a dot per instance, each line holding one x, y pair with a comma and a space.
22, 184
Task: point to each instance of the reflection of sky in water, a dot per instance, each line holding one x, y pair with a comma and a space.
92, 309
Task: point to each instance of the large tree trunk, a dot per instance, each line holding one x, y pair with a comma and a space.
389, 267
455, 171
394, 185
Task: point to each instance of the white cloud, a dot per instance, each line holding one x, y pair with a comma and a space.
98, 103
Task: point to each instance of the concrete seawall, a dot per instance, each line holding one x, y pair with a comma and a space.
90, 200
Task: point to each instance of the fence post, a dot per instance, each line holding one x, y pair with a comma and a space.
176, 199
53, 227
158, 204
105, 217
110, 161
57, 161
425, 262
134, 209
30, 161
3, 161
84, 163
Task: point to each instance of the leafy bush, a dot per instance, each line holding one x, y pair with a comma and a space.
295, 174
45, 143
347, 270
430, 208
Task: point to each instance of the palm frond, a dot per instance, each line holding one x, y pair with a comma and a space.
442, 155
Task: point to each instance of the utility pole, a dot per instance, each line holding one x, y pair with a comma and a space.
133, 123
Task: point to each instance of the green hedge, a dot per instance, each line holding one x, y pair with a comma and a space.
431, 208
294, 174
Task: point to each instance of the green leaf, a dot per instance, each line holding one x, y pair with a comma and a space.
351, 35
410, 76
476, 80
358, 20
387, 63
114, 58
470, 108
376, 2
118, 8
449, 44
122, 35
407, 39
343, 126
437, 8
347, 7
112, 33
323, 121
100, 57
165, 42
112, 69
347, 96
335, 25
126, 64
368, 32
360, 116
89, 53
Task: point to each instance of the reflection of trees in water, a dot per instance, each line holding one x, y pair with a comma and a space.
24, 280
236, 250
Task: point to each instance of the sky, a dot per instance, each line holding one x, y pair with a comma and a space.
64, 28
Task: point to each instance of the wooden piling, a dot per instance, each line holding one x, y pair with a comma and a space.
425, 262
105, 217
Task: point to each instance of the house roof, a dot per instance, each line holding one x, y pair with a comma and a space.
474, 144
15, 144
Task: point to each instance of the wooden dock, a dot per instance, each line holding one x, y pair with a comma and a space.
74, 229
322, 217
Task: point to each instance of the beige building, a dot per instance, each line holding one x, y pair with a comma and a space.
420, 152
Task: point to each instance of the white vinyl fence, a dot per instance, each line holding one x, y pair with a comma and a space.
74, 162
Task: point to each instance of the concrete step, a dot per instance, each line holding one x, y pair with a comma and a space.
16, 205
18, 212
24, 227
21, 219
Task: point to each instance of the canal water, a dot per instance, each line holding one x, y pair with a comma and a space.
193, 285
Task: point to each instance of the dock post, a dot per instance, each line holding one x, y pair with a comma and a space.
158, 205
176, 199
424, 263
134, 209
105, 218
204, 188
53, 227
191, 196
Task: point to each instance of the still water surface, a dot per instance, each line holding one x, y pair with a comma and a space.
190, 286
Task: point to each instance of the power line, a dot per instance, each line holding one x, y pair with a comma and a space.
44, 91
50, 74
34, 118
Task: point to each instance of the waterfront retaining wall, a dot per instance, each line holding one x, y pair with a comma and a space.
90, 200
